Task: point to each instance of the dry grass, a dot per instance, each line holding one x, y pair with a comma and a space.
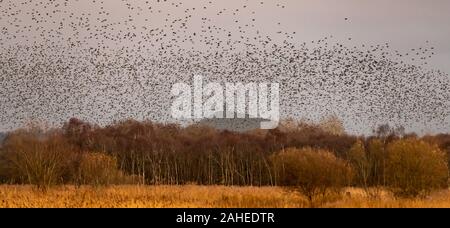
358, 199
192, 197
148, 197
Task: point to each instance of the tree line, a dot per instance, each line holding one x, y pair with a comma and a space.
133, 152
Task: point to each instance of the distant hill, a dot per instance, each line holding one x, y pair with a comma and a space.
2, 137
233, 124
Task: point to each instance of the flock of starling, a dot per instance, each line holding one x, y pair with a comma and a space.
103, 61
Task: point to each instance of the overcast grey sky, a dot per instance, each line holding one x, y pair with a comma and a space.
404, 24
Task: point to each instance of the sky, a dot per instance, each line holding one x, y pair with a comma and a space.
403, 24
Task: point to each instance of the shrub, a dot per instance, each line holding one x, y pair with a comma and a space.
38, 159
3, 169
312, 172
414, 168
368, 164
332, 125
361, 163
98, 169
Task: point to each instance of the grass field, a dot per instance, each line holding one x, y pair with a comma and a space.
193, 197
